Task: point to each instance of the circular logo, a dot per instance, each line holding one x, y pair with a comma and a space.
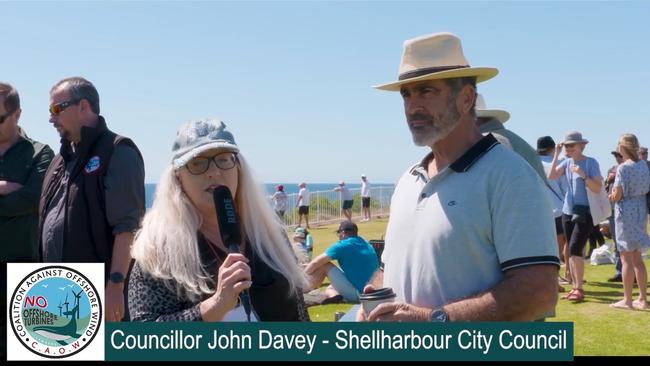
55, 311
92, 165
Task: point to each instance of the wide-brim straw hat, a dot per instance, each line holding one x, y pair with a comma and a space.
435, 56
574, 137
482, 111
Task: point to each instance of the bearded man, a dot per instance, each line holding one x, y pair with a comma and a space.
470, 235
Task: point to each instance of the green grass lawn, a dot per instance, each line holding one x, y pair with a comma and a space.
598, 329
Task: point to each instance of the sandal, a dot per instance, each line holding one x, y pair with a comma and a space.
577, 295
566, 296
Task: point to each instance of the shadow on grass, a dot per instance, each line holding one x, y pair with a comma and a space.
599, 300
616, 285
603, 297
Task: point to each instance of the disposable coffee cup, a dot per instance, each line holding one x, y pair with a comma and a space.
370, 300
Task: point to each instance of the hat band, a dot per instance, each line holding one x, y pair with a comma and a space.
429, 70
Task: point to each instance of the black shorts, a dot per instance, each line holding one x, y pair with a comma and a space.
348, 204
303, 210
577, 234
365, 202
558, 226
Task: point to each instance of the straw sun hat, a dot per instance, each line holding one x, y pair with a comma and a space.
435, 56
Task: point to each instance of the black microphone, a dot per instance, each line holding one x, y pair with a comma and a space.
230, 232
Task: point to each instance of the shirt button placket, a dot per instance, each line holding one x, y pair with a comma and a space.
422, 200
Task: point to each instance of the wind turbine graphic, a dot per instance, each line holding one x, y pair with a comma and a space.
60, 307
76, 302
66, 303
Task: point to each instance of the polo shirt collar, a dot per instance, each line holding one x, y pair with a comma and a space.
466, 161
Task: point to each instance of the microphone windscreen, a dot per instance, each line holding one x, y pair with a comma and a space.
224, 205
230, 234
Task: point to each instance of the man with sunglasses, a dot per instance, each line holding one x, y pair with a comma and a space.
23, 163
93, 193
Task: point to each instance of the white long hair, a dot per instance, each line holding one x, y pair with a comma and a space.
166, 246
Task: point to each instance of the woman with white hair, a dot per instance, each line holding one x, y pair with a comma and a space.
631, 185
582, 173
183, 271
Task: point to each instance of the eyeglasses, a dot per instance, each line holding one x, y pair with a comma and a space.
200, 165
569, 145
57, 108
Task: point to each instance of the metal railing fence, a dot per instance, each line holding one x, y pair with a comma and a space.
325, 206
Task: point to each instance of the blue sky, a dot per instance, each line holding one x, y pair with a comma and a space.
293, 79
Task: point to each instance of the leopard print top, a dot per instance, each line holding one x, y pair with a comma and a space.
149, 299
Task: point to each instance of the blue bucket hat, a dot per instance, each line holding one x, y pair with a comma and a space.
195, 137
299, 232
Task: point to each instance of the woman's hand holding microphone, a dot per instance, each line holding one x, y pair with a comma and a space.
233, 278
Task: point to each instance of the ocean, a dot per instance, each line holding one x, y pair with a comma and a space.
289, 188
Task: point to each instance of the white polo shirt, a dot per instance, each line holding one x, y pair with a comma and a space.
454, 236
304, 195
365, 188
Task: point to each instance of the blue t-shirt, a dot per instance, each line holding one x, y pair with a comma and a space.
576, 193
357, 259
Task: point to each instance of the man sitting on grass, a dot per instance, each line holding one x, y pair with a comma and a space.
358, 262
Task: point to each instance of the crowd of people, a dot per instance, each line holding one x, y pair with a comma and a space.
279, 200
478, 228
581, 176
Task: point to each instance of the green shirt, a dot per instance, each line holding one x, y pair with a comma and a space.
25, 163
